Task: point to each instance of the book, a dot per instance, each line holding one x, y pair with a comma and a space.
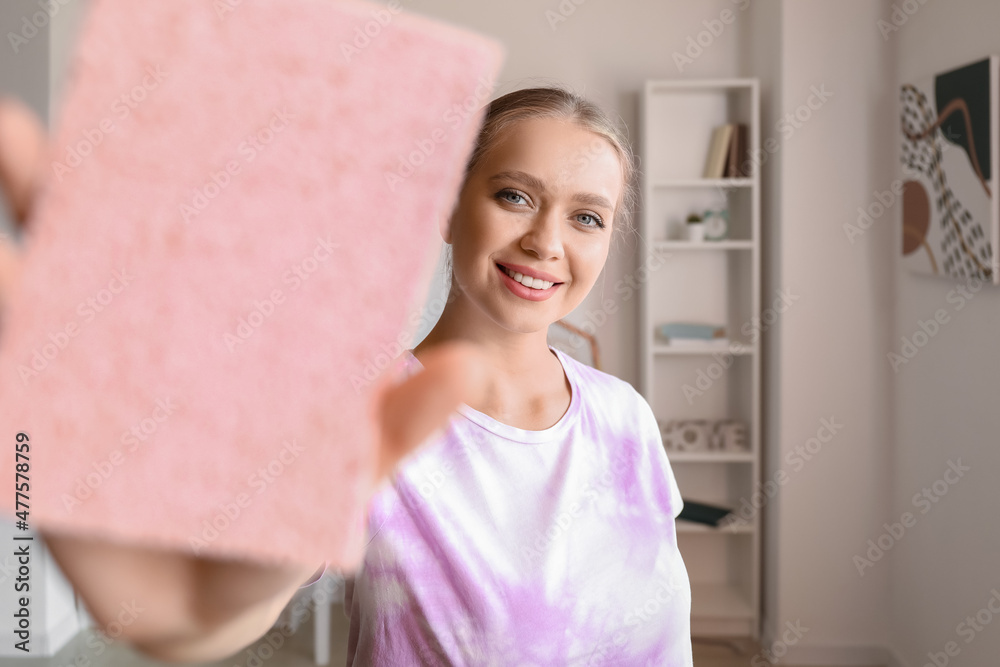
737, 151
718, 151
704, 513
697, 343
690, 330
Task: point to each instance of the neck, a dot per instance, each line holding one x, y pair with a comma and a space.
516, 355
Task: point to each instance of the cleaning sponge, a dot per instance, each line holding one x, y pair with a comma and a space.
241, 213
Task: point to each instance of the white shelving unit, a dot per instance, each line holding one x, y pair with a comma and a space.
710, 282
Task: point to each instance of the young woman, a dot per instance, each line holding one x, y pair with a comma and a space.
537, 528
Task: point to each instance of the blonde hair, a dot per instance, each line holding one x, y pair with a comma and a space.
554, 102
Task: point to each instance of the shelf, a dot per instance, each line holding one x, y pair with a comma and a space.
719, 601
716, 282
670, 202
743, 349
691, 527
710, 457
702, 245
681, 85
705, 183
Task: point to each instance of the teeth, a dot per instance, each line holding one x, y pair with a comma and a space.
533, 283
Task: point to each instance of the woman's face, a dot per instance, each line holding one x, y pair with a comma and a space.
540, 203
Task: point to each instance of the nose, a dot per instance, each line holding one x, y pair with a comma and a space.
544, 238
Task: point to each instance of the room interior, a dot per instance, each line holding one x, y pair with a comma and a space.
859, 395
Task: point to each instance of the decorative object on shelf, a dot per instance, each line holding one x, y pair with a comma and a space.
692, 334
709, 515
954, 237
695, 228
729, 435
691, 435
716, 224
703, 435
567, 338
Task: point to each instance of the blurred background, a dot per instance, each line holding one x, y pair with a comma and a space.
854, 418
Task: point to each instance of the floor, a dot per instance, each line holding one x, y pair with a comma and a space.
87, 649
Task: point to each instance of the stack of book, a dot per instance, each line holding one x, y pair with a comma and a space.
726, 154
680, 334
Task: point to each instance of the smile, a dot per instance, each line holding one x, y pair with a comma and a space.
527, 281
532, 289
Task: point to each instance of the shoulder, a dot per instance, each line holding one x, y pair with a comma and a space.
629, 425
605, 390
613, 403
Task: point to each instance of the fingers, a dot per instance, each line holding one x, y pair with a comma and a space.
108, 575
22, 145
409, 412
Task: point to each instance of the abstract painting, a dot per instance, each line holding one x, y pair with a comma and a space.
951, 218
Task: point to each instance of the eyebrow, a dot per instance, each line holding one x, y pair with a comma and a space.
587, 198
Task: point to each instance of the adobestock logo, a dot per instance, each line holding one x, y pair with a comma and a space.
122, 108
697, 44
363, 35
38, 21
925, 499
139, 434
44, 356
423, 148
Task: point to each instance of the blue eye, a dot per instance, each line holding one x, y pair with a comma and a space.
597, 221
505, 194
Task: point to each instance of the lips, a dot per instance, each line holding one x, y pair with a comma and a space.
523, 291
528, 271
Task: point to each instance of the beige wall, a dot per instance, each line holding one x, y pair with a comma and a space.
824, 358
947, 405
828, 355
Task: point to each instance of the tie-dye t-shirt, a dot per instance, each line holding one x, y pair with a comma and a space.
495, 545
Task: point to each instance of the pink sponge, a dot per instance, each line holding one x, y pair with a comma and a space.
238, 224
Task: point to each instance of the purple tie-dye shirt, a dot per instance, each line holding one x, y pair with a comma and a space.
495, 545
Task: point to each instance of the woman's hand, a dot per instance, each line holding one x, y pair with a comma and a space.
410, 411
203, 608
22, 143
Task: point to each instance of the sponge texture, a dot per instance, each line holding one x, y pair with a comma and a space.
235, 233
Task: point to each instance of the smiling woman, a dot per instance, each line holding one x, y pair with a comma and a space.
538, 527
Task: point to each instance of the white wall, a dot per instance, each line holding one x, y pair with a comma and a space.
947, 405
825, 356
